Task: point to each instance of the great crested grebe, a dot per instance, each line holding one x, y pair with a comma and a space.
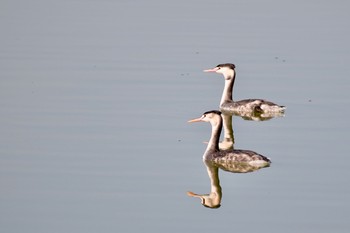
242, 106
213, 153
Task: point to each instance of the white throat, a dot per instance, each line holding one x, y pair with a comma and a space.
228, 88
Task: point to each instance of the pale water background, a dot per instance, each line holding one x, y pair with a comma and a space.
94, 101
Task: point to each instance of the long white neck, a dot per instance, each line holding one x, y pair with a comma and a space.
228, 89
216, 127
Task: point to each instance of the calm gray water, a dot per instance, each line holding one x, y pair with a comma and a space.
95, 96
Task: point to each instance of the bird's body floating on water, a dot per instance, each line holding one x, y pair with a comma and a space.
242, 106
213, 153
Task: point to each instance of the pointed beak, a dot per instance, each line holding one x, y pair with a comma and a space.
192, 194
211, 70
196, 120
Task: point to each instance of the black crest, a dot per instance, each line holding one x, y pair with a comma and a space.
213, 111
229, 65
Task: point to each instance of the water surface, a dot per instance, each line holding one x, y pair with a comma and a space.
94, 101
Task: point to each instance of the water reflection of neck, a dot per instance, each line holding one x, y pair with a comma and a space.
228, 142
215, 188
213, 199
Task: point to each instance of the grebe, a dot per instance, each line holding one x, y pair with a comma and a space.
242, 106
213, 153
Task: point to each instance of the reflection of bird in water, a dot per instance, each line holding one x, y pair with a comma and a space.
213, 199
237, 157
245, 107
229, 140
255, 116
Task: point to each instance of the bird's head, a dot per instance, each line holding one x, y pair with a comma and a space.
226, 69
